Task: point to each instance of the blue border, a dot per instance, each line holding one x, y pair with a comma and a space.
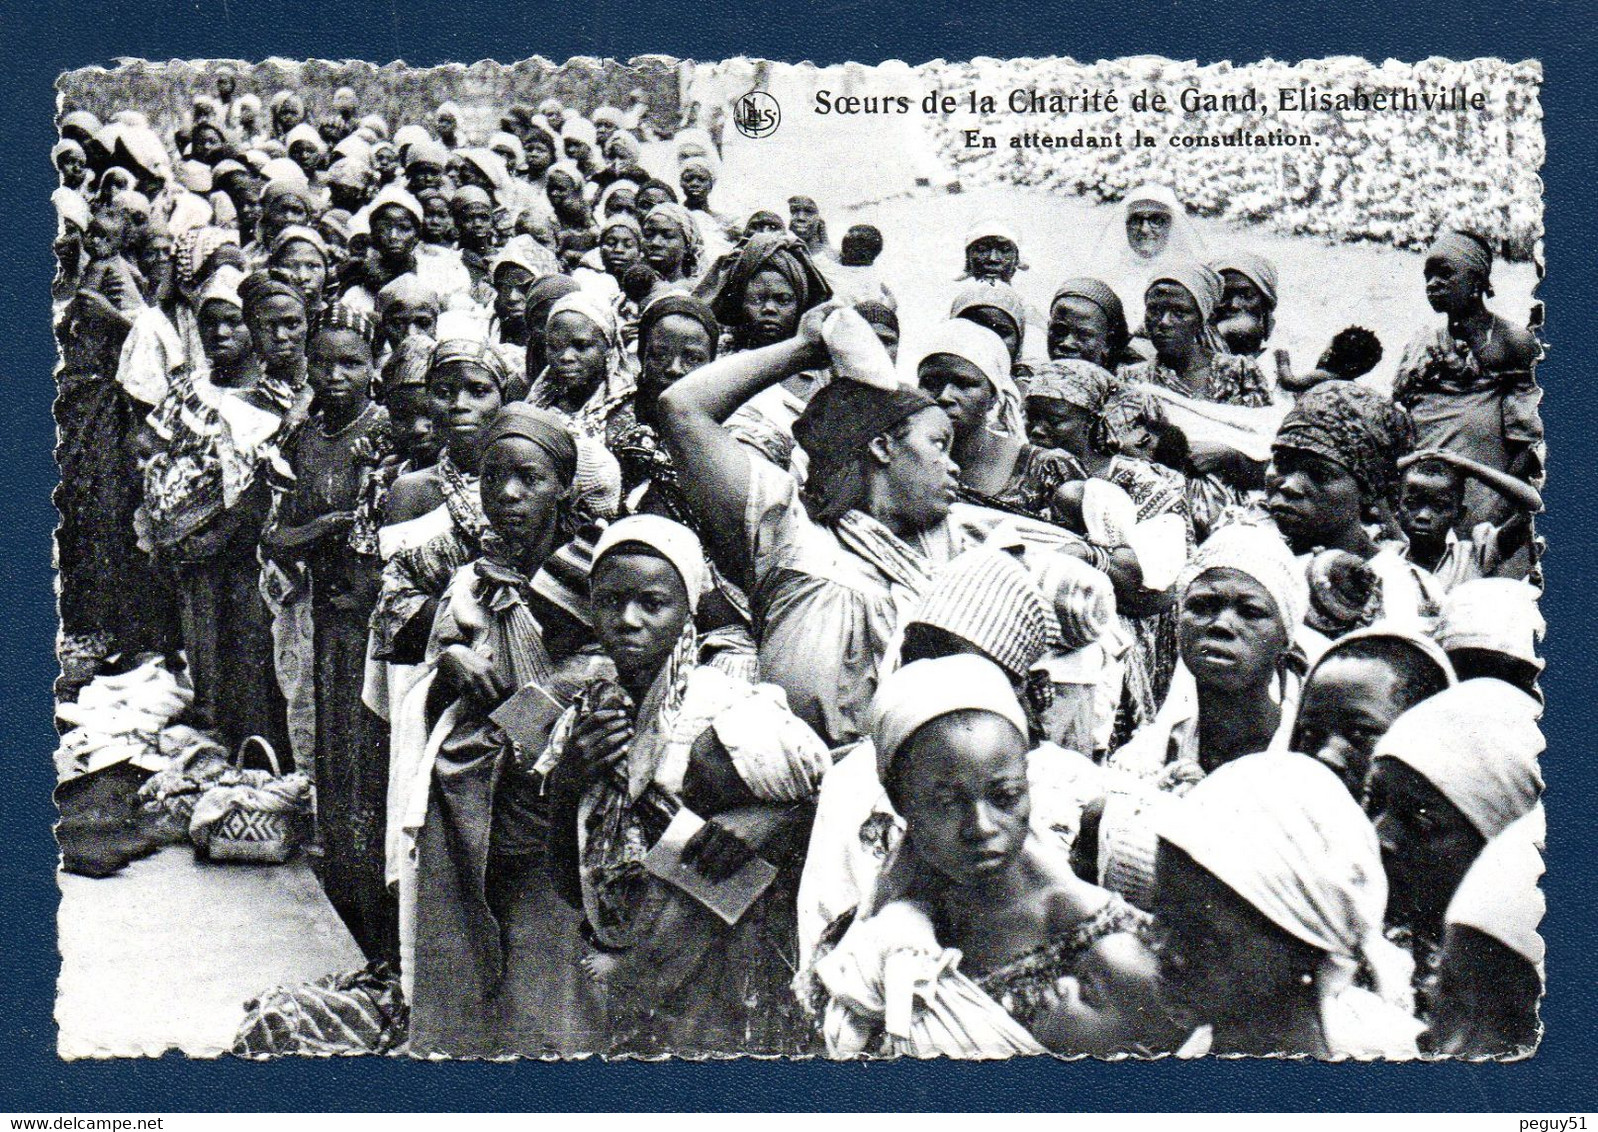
64, 36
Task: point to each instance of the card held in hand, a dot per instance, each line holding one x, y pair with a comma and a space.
528, 717
732, 897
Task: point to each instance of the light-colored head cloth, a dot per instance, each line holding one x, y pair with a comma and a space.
1255, 268
447, 109
925, 690
1478, 744
502, 140
303, 234
222, 287
1281, 831
399, 197
409, 134
1499, 614
409, 289
578, 129
595, 309
1465, 252
999, 296
305, 132
1499, 896
1259, 552
987, 597
674, 542
527, 254
990, 227
1389, 631
1197, 280
985, 350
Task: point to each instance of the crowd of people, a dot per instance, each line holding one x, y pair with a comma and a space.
683, 668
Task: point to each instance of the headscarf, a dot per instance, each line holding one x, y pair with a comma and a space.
621, 184
1074, 382
608, 115
483, 357
1382, 631
622, 148
285, 186
508, 141
425, 151
261, 286
82, 120
1197, 280
398, 197
878, 314
191, 250
708, 162
1354, 427
377, 124
1467, 254
550, 288
985, 350
470, 194
541, 428
1260, 553
578, 129
679, 216
925, 690
347, 172
834, 429
1255, 268
407, 367
692, 136
303, 234
1478, 744
1182, 242
448, 109
780, 251
986, 597
1497, 614
305, 132
622, 220
1280, 830
999, 296
407, 288
685, 306
671, 540
527, 254
64, 147
222, 287
1499, 896
590, 420
991, 228
491, 165
342, 316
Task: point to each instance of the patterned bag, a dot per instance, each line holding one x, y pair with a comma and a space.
262, 824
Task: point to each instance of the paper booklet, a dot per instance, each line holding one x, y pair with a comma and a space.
732, 897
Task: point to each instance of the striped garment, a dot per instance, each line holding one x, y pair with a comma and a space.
356, 1012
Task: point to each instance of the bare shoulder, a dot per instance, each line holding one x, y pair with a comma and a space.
1520, 345
412, 495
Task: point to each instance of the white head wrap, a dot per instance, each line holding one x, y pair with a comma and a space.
674, 542
1499, 614
925, 690
1283, 833
395, 195
305, 132
1499, 896
1478, 744
1259, 552
985, 350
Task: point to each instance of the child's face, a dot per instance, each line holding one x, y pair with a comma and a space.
104, 238
339, 368
1428, 504
411, 421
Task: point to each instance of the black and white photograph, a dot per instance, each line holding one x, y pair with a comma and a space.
668, 558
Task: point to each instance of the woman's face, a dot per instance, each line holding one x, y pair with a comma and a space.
665, 245
1054, 424
303, 264
622, 200
992, 257
438, 226
695, 183
277, 327
1080, 329
1148, 227
576, 151
1221, 960
223, 335
384, 162
1427, 845
1230, 633
285, 209
1347, 705
961, 785
338, 366
1174, 321
540, 155
511, 284
521, 490
960, 389
464, 400
305, 155
474, 220
247, 204
649, 196
207, 145
420, 176
639, 606
619, 249
564, 196
1314, 501
922, 477
394, 233
1449, 287
575, 354
770, 308
676, 345
403, 319
105, 237
996, 320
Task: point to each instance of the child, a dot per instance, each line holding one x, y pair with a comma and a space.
1431, 503
1353, 353
108, 271
344, 435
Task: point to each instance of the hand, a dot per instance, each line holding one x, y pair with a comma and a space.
95, 307
808, 337
471, 675
334, 524
715, 851
599, 742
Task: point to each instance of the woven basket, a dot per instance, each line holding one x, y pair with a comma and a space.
254, 835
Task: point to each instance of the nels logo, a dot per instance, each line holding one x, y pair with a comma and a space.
756, 114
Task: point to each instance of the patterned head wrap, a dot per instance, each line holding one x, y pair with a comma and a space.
342, 316
1467, 253
264, 285
541, 428
685, 306
1074, 382
304, 235
191, 250
1103, 296
986, 597
998, 296
408, 365
408, 289
674, 542
1258, 552
925, 690
1255, 268
1478, 744
483, 357
779, 251
1355, 428
1198, 281
684, 223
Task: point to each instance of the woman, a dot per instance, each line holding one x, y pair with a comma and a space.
979, 941
587, 377
301, 255
996, 307
207, 492
1087, 323
1246, 315
495, 969
1269, 902
767, 288
165, 335
992, 252
665, 734
1450, 775
1148, 233
1189, 357
966, 370
406, 308
344, 438
1355, 692
676, 335
1471, 384
564, 186
1334, 469
807, 225
672, 244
